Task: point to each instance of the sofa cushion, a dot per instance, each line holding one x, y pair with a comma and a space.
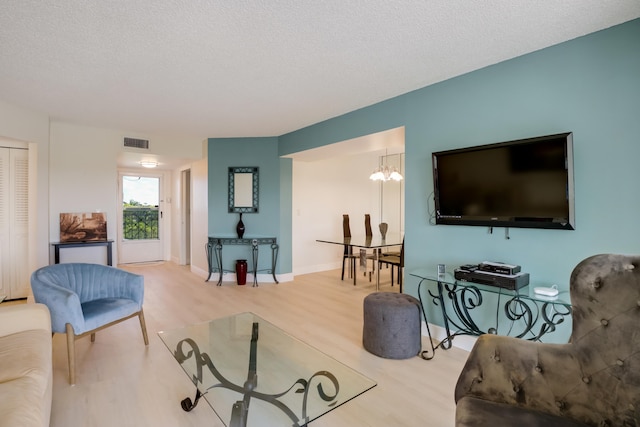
25, 379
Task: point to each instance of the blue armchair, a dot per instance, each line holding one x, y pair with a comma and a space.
84, 298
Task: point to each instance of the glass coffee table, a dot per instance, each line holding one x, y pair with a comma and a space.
252, 373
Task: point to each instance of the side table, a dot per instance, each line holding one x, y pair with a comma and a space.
62, 245
527, 315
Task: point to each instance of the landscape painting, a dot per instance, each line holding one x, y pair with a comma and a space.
83, 227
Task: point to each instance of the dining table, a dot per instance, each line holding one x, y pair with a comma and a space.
376, 243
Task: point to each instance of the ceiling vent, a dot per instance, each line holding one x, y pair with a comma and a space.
136, 143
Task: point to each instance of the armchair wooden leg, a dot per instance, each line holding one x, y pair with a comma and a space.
143, 326
71, 353
93, 337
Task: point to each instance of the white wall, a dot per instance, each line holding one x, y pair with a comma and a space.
83, 178
83, 175
323, 191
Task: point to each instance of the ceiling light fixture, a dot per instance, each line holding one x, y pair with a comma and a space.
386, 173
148, 164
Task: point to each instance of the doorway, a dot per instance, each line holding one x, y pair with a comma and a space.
140, 218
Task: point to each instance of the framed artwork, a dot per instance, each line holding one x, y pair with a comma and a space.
83, 227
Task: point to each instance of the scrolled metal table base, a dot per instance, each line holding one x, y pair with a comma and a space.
523, 312
240, 409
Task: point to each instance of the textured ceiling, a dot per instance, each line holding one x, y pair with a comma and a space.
204, 68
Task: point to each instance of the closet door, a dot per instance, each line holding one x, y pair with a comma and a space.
14, 222
19, 223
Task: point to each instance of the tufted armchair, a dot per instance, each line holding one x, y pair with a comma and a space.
594, 380
85, 298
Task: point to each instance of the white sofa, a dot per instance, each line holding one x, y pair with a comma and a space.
25, 365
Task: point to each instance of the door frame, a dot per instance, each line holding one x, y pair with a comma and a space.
164, 220
185, 217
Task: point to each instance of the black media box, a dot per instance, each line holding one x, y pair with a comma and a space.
498, 267
512, 281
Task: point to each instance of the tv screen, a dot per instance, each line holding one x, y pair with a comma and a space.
524, 183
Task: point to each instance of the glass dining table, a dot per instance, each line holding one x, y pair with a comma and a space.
376, 243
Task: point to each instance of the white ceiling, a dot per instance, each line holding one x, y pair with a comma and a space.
204, 68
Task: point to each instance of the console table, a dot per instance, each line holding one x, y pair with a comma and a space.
214, 254
523, 309
58, 245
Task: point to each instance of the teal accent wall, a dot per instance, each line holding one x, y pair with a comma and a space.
231, 152
589, 86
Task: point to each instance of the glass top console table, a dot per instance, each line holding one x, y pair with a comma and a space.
252, 373
526, 314
214, 254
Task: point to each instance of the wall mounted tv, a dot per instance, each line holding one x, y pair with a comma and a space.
526, 183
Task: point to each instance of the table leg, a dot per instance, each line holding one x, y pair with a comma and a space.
209, 250
109, 254
254, 254
187, 404
447, 342
218, 252
354, 265
376, 265
274, 259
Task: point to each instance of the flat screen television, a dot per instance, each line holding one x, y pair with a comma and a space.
526, 183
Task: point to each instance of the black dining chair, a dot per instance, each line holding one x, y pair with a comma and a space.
348, 254
396, 262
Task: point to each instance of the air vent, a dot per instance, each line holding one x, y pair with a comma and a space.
136, 143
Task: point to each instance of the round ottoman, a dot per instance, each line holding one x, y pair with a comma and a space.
391, 325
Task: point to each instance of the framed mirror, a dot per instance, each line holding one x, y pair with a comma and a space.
243, 189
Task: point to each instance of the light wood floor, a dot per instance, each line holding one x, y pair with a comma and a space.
122, 383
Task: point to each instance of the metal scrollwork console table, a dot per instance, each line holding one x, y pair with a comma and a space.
214, 254
526, 314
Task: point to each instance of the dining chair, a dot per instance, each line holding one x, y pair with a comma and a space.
396, 262
348, 254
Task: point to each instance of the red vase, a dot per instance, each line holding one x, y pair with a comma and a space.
241, 271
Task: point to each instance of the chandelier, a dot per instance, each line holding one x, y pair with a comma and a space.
385, 173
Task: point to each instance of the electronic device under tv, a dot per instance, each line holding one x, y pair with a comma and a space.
526, 183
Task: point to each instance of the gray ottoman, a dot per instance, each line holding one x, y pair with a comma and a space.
391, 325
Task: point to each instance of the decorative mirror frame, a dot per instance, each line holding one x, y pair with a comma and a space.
254, 197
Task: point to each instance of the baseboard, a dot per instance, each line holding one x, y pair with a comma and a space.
282, 277
438, 333
310, 269
199, 272
231, 277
